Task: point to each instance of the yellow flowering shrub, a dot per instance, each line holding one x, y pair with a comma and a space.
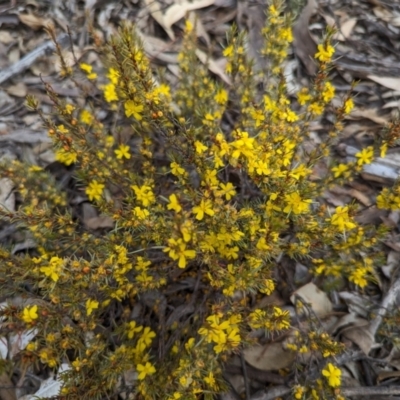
212, 188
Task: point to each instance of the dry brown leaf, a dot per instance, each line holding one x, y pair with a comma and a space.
392, 262
386, 81
371, 114
395, 21
6, 37
256, 22
155, 9
214, 66
383, 13
18, 90
34, 22
346, 28
360, 336
370, 216
392, 104
99, 222
7, 391
361, 197
7, 196
304, 45
157, 48
356, 330
386, 375
178, 10
273, 299
201, 32
357, 305
14, 55
271, 356
316, 298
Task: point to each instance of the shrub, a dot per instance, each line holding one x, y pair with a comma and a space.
216, 183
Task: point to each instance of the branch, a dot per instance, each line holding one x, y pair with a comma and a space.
26, 61
387, 303
367, 391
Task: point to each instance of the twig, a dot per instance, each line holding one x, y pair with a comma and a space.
26, 61
256, 374
387, 302
246, 378
371, 391
367, 391
272, 393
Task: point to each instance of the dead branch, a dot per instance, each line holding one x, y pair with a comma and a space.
26, 61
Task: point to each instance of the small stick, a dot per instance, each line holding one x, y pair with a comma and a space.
371, 391
246, 378
26, 61
367, 391
387, 303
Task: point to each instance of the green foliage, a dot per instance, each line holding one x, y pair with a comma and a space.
214, 186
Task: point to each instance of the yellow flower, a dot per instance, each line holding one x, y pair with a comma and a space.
341, 219
303, 96
340, 170
228, 190
221, 97
144, 194
88, 69
51, 272
184, 254
110, 93
132, 108
298, 392
177, 251
365, 156
54, 268
188, 26
146, 338
286, 34
200, 147
69, 108
113, 76
65, 157
176, 169
141, 213
144, 370
325, 53
205, 207
329, 92
123, 151
295, 204
29, 314
291, 116
35, 168
228, 51
94, 190
174, 203
348, 106
132, 329
316, 108
91, 305
358, 276
383, 149
332, 374
210, 380
86, 117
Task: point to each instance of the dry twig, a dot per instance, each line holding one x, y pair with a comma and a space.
26, 61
